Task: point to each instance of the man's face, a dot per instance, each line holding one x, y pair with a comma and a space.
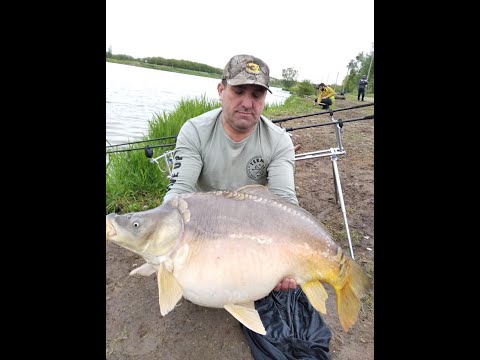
242, 105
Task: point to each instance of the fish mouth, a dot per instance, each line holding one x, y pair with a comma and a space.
111, 232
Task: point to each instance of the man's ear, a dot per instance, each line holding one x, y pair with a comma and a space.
220, 89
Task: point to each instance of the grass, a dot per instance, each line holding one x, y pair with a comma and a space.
353, 96
164, 68
292, 106
169, 124
133, 183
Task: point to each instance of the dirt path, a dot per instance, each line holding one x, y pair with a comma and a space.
135, 328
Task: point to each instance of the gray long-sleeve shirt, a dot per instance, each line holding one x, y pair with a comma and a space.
206, 159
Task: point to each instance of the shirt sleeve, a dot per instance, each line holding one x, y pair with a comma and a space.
187, 163
329, 92
281, 171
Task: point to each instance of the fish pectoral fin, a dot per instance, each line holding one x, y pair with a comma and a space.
169, 290
247, 315
144, 270
316, 294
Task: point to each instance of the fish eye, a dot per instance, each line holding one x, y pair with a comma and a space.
136, 224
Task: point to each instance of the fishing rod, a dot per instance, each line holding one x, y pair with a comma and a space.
339, 122
138, 142
322, 112
148, 146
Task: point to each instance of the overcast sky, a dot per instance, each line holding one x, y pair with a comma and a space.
316, 38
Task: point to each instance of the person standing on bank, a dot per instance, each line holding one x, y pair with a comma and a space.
326, 96
236, 145
362, 84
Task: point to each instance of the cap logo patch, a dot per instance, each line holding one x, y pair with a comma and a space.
252, 68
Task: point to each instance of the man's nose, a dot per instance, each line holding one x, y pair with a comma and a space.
247, 100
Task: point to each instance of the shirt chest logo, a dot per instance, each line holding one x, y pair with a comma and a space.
256, 168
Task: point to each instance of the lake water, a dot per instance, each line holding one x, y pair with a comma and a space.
134, 95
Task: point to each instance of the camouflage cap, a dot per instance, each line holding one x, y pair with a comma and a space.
246, 69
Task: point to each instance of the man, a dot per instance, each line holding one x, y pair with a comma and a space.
326, 96
233, 146
362, 84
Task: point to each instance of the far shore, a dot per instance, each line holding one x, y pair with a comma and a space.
273, 82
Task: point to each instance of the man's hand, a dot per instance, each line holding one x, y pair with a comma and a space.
286, 284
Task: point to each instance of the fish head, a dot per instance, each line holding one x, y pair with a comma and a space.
151, 233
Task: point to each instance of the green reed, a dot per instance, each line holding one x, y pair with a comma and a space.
133, 183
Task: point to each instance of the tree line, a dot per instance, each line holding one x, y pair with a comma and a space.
182, 64
363, 64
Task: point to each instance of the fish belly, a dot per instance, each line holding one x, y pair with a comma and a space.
216, 275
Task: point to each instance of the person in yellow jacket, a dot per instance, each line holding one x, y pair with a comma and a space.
326, 96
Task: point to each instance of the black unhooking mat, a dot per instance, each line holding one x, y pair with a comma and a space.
295, 330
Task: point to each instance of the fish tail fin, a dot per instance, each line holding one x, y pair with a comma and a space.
355, 285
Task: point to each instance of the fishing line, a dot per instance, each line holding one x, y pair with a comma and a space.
153, 146
142, 141
339, 122
322, 112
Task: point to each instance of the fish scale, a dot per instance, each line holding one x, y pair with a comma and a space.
227, 249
